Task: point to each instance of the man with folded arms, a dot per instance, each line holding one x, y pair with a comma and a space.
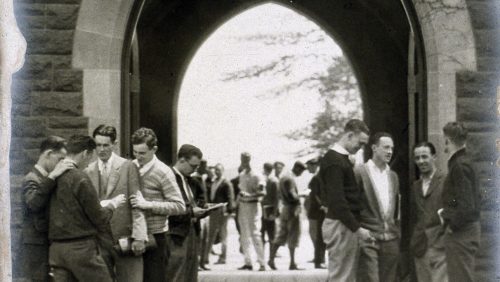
113, 175
76, 217
160, 198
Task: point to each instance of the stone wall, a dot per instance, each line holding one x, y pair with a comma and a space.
47, 92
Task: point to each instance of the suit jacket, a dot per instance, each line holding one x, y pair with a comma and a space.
427, 229
36, 195
461, 198
123, 179
179, 225
224, 193
382, 227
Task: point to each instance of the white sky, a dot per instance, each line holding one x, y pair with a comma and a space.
226, 118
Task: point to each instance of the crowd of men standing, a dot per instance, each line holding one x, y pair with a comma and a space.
115, 219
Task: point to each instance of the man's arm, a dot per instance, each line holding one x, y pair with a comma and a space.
462, 176
230, 197
87, 196
139, 227
37, 194
333, 179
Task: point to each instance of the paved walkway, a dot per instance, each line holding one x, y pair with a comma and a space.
228, 272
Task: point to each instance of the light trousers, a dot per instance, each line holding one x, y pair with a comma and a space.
249, 218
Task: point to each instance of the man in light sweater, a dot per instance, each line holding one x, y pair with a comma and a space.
160, 197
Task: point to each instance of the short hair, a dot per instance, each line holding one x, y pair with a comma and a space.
187, 151
277, 163
299, 164
456, 132
313, 161
268, 167
426, 144
54, 143
219, 165
145, 135
356, 126
105, 130
79, 143
375, 138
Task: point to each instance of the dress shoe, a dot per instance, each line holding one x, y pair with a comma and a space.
204, 267
262, 268
320, 266
294, 267
246, 267
221, 261
271, 265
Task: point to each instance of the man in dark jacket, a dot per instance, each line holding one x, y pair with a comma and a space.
461, 206
426, 242
221, 191
38, 185
76, 217
184, 230
341, 228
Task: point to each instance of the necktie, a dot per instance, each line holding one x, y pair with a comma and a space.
104, 182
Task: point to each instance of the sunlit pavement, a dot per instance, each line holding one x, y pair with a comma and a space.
229, 272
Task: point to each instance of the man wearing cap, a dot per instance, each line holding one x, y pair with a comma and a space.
289, 228
315, 214
250, 212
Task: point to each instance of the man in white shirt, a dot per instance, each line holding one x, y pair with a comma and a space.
380, 215
250, 213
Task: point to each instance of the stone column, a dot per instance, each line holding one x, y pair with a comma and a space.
12, 51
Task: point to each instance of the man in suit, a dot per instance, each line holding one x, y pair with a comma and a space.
341, 228
76, 217
379, 255
221, 191
315, 215
270, 205
38, 185
113, 175
184, 230
426, 242
289, 226
160, 198
461, 206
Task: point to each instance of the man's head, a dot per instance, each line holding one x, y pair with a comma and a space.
278, 168
267, 168
298, 168
188, 159
245, 159
455, 135
219, 170
203, 167
355, 135
424, 155
382, 147
81, 149
105, 139
52, 150
144, 145
312, 165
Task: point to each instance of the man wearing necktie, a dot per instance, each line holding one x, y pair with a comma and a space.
113, 175
184, 230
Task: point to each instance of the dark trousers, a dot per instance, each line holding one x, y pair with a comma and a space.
155, 260
317, 239
378, 261
183, 257
269, 228
461, 247
77, 260
33, 262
